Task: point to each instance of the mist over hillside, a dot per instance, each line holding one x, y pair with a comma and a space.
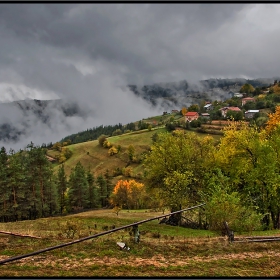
45, 121
33, 119
182, 93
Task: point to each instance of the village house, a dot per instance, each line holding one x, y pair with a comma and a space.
208, 106
205, 115
224, 110
247, 99
190, 116
174, 111
250, 113
237, 94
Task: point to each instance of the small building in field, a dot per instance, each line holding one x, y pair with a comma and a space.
190, 116
250, 113
224, 110
175, 111
247, 99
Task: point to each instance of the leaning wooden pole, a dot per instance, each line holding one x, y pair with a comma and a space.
18, 234
94, 236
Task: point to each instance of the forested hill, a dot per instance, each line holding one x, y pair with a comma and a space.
168, 95
94, 133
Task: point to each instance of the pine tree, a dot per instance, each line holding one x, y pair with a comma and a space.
78, 186
101, 182
92, 191
109, 184
17, 185
40, 181
61, 187
4, 190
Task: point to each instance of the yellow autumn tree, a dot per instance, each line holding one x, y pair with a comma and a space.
251, 163
273, 121
129, 194
184, 111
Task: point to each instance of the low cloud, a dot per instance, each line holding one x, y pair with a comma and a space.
86, 54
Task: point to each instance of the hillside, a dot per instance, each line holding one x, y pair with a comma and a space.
96, 158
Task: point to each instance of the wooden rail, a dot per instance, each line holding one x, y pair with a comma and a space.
18, 234
95, 235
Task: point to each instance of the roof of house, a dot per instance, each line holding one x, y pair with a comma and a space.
205, 114
189, 114
230, 108
234, 109
208, 105
238, 95
252, 111
248, 98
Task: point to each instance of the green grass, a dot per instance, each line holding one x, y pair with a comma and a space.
96, 158
176, 252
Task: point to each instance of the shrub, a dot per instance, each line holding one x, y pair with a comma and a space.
117, 132
107, 144
112, 151
225, 206
127, 171
101, 139
70, 228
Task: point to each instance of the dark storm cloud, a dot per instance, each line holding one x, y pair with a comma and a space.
86, 53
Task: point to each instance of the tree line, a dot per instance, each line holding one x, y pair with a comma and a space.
94, 133
238, 177
30, 189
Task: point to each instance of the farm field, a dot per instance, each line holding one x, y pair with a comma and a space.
163, 250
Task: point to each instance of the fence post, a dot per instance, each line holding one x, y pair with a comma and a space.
230, 233
136, 233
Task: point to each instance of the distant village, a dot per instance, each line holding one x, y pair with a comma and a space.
248, 104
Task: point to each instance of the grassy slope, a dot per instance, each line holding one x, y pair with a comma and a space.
96, 158
174, 252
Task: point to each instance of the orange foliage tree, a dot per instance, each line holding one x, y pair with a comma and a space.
129, 194
273, 121
184, 111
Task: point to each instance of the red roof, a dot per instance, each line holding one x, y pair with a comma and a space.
189, 114
248, 98
234, 109
230, 108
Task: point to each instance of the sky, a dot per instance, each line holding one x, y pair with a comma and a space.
87, 53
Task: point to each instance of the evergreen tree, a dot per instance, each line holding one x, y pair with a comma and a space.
51, 205
61, 187
39, 180
4, 191
101, 182
78, 186
92, 191
109, 184
17, 186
